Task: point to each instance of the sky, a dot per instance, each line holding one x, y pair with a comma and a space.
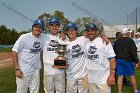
19, 14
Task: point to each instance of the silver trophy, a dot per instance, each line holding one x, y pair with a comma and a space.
60, 61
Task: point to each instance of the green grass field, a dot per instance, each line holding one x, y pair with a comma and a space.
8, 83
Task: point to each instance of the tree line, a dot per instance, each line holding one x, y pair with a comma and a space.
81, 22
9, 36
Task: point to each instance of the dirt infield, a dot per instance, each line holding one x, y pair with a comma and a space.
5, 59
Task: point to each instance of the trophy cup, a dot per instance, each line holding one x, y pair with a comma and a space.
60, 61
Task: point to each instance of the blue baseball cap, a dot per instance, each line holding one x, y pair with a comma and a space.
54, 20
71, 25
39, 22
90, 26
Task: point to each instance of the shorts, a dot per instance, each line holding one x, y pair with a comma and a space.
124, 68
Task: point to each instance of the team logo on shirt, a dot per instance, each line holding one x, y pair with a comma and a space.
92, 49
77, 51
52, 45
36, 44
92, 53
36, 47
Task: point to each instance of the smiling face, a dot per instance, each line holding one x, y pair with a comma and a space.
72, 33
91, 34
137, 36
54, 29
37, 30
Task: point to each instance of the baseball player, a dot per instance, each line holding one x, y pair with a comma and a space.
54, 79
26, 58
76, 71
100, 62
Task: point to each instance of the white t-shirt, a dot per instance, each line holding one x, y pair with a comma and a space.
28, 48
98, 54
137, 42
76, 58
49, 54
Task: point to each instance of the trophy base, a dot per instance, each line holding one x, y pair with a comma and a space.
59, 67
60, 64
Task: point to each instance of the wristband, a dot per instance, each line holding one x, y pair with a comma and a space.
17, 69
112, 69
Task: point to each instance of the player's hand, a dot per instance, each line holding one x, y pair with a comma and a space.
19, 73
111, 80
105, 39
62, 36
